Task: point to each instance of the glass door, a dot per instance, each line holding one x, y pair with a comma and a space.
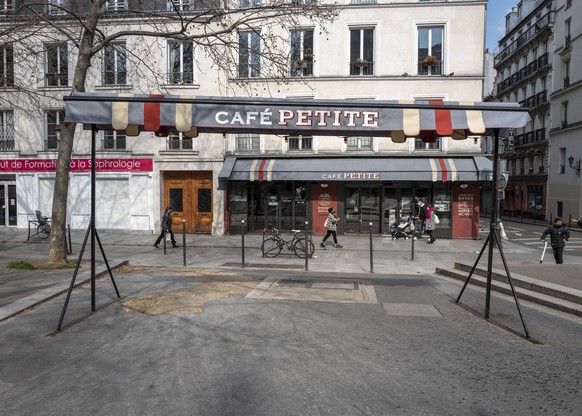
362, 208
7, 204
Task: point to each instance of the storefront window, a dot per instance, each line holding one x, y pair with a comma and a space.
362, 208
535, 197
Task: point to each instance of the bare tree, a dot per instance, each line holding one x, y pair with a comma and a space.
91, 26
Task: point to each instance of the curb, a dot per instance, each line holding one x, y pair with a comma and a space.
533, 290
28, 302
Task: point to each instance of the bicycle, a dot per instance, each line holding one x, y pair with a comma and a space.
43, 230
299, 244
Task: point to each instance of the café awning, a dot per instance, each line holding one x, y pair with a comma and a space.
164, 114
434, 169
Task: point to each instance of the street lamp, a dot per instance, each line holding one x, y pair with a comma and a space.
575, 165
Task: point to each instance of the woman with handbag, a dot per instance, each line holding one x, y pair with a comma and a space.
431, 222
331, 226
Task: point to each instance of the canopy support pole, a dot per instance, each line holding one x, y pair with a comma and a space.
493, 240
91, 231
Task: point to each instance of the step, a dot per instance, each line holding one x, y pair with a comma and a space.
530, 295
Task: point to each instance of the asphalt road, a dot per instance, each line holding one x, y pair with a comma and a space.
261, 356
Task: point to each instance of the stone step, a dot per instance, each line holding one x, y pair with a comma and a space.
533, 290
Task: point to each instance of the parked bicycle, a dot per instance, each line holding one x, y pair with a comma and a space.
299, 244
43, 229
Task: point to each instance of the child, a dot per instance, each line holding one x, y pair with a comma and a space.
559, 234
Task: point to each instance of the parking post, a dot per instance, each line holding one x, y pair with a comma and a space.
306, 248
371, 252
184, 240
165, 236
243, 242
413, 238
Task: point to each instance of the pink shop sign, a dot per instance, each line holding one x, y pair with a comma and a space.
78, 165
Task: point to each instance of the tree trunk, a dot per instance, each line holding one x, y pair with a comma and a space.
58, 250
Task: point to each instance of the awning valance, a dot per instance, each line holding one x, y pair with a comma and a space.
192, 115
434, 169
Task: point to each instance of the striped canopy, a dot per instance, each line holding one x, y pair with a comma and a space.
289, 117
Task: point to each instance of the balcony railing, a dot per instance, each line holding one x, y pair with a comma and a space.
566, 82
529, 137
181, 78
568, 41
541, 169
540, 135
432, 69
56, 79
542, 97
524, 72
7, 145
362, 68
535, 28
302, 70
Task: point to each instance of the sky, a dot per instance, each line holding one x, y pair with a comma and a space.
496, 11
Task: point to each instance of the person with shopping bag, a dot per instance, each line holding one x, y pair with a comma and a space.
166, 228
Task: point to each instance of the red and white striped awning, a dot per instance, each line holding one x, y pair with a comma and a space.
286, 117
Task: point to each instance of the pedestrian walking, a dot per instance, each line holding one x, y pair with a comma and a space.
559, 234
421, 217
166, 227
431, 222
331, 226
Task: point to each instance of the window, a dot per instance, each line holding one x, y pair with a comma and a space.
57, 65
535, 196
302, 52
53, 119
430, 50
6, 130
115, 64
181, 62
248, 143
249, 3
362, 51
300, 142
566, 73
115, 5
564, 115
6, 6
6, 66
249, 58
562, 161
420, 145
179, 141
359, 143
568, 3
57, 7
180, 5
114, 140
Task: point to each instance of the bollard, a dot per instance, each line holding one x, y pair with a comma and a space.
306, 248
371, 251
413, 239
165, 236
243, 242
70, 242
184, 240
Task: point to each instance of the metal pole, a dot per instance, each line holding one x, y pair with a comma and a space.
371, 252
165, 236
184, 240
413, 238
243, 242
70, 242
93, 134
492, 223
306, 248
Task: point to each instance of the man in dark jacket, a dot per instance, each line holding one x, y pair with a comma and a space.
559, 234
166, 227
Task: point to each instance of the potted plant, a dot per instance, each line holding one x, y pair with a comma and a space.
361, 62
301, 63
430, 60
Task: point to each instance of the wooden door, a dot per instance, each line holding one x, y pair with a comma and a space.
190, 196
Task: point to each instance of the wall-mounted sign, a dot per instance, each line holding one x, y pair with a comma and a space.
78, 165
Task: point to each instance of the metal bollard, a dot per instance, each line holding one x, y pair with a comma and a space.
70, 241
243, 242
165, 236
184, 240
371, 251
306, 248
413, 237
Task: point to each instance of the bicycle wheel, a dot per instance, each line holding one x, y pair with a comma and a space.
303, 247
43, 230
271, 247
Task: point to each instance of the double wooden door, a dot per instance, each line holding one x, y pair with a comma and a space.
190, 196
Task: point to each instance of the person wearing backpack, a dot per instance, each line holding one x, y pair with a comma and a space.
166, 227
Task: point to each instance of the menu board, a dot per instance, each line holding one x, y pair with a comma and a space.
465, 205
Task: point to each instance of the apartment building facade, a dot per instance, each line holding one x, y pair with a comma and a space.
525, 71
564, 181
396, 50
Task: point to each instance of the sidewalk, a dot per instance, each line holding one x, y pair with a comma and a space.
21, 289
